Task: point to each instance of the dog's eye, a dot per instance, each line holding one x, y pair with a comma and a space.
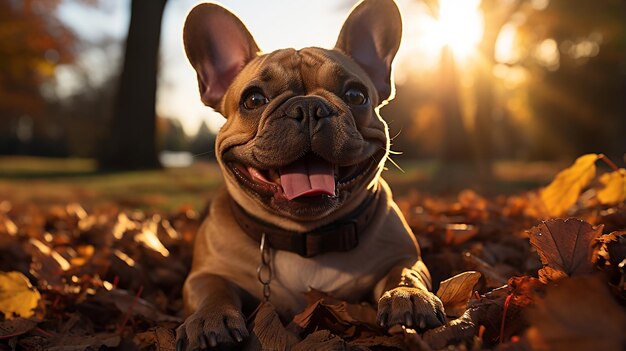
355, 96
254, 100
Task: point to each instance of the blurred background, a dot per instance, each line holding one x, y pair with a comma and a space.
97, 99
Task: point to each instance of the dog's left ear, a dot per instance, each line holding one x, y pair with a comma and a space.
371, 36
218, 46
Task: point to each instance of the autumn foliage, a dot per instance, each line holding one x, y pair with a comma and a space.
542, 270
33, 45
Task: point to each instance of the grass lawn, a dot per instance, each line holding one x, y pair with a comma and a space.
44, 181
28, 179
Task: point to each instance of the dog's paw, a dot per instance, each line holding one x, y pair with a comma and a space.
214, 329
412, 307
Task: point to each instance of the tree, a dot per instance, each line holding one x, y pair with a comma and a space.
579, 103
496, 14
131, 143
32, 44
203, 143
172, 136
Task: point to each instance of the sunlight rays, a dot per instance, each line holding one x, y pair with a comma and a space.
460, 27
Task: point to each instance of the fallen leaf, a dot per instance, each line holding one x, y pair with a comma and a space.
577, 314
340, 317
493, 278
565, 247
380, 342
48, 266
87, 342
268, 333
321, 340
564, 190
125, 302
457, 234
16, 327
17, 296
614, 190
456, 291
159, 339
462, 328
611, 247
524, 290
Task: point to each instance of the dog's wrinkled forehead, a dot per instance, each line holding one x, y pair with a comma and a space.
304, 71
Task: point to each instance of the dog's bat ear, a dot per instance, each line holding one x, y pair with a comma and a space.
371, 36
218, 45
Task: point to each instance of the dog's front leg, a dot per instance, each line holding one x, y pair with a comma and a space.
407, 300
215, 318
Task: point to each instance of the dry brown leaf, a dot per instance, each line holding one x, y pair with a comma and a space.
384, 342
124, 302
610, 247
15, 327
268, 333
344, 319
524, 290
17, 296
158, 339
564, 190
321, 340
577, 314
493, 278
463, 328
48, 266
456, 291
614, 190
565, 247
81, 343
457, 234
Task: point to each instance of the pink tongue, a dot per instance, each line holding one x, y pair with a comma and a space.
307, 177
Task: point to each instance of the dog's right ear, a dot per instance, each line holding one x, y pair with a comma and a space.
371, 36
218, 45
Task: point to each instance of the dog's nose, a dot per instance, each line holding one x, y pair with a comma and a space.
308, 107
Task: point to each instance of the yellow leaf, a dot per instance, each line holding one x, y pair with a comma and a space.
614, 190
17, 295
564, 190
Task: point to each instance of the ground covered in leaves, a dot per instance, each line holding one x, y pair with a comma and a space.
513, 273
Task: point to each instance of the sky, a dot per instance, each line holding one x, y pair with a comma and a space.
274, 24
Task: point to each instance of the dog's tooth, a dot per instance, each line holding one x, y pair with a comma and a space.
274, 176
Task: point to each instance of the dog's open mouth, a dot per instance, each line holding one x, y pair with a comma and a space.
307, 177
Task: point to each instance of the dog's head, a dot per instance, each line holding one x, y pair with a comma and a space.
303, 140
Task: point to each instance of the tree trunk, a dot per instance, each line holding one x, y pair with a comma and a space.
484, 92
456, 169
495, 17
456, 147
131, 142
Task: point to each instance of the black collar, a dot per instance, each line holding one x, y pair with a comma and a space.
339, 236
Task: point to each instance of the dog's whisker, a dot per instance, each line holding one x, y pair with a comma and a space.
397, 135
203, 153
396, 165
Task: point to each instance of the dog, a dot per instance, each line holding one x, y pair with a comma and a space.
304, 206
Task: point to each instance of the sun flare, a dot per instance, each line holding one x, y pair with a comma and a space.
460, 26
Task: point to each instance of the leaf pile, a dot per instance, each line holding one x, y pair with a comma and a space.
511, 275
103, 278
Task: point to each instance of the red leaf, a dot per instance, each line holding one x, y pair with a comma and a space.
565, 247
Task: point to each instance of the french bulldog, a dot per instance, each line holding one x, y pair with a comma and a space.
304, 206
